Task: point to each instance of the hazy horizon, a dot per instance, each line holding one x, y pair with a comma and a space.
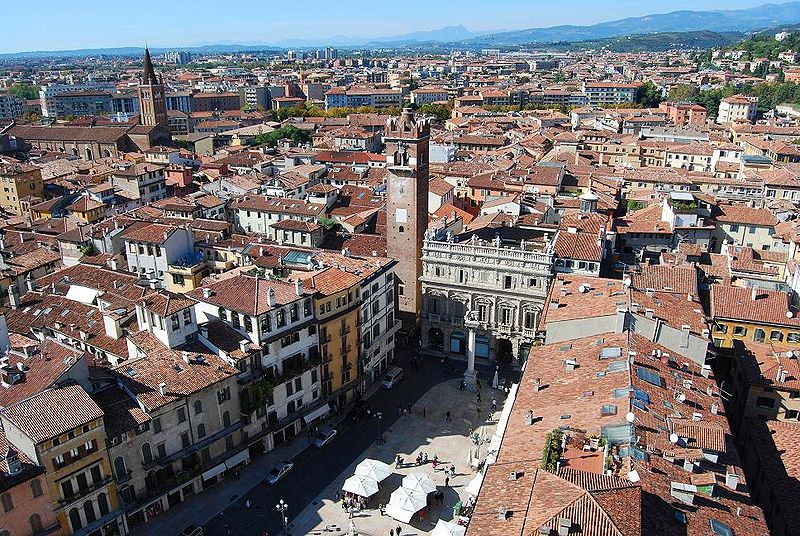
88, 25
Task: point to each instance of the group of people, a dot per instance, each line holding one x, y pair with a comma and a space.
352, 503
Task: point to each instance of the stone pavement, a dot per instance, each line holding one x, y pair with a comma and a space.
409, 436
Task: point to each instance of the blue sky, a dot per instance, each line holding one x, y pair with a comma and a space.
96, 23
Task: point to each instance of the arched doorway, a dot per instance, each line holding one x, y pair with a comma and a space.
435, 339
504, 351
482, 346
458, 343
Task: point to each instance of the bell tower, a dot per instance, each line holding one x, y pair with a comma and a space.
152, 104
407, 177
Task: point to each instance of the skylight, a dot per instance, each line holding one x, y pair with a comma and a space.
648, 376
718, 527
611, 352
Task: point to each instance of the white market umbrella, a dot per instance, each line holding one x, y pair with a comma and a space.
404, 503
362, 486
374, 469
419, 482
446, 528
474, 486
495, 380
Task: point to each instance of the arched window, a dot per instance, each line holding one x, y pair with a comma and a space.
226, 419
88, 512
147, 454
102, 502
75, 520
7, 502
119, 467
198, 407
36, 523
36, 488
89, 154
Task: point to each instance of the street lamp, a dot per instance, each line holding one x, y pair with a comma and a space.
378, 415
282, 507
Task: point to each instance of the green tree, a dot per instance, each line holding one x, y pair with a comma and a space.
682, 92
648, 95
270, 139
24, 91
442, 112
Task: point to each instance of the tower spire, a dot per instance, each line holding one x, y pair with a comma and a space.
149, 73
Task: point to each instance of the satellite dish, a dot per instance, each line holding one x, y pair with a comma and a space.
673, 438
790, 354
681, 398
789, 314
630, 417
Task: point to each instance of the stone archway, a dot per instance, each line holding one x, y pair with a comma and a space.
458, 343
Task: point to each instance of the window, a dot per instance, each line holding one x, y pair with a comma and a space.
75, 519
775, 336
281, 318
102, 503
147, 454
119, 467
507, 282
226, 419
793, 337
505, 316
791, 414
161, 450
201, 431
721, 328
739, 331
198, 407
765, 402
266, 324
734, 228
223, 314
187, 317
181, 415
175, 323
758, 335
235, 320
185, 440
36, 488
7, 502
157, 425
248, 324
752, 229
608, 409
88, 512
36, 523
401, 290
223, 395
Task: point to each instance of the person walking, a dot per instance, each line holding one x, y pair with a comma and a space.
478, 398
391, 532
447, 481
447, 417
452, 470
398, 530
494, 404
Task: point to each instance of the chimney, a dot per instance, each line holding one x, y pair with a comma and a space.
650, 292
114, 265
112, 327
732, 479
564, 525
271, 300
162, 388
621, 317
529, 418
648, 313
185, 356
753, 293
714, 408
537, 384
207, 292
298, 287
685, 336
244, 346
204, 331
13, 296
29, 283
570, 365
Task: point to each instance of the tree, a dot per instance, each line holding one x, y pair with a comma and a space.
682, 92
648, 95
442, 112
24, 91
270, 139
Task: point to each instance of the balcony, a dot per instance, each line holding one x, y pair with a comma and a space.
83, 492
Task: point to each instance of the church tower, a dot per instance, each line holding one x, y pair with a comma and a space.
152, 104
407, 179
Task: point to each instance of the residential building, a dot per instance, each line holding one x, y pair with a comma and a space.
151, 248
737, 108
19, 181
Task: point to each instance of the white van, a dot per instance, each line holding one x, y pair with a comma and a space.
392, 377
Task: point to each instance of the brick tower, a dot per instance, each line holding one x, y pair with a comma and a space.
407, 208
152, 104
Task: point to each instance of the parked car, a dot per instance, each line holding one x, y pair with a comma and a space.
324, 437
392, 378
360, 409
278, 472
193, 530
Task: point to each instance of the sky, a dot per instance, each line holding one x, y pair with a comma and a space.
103, 24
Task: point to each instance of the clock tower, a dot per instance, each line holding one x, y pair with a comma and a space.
407, 179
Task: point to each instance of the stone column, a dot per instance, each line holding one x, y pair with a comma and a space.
470, 376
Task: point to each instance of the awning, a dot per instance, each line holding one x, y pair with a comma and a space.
214, 471
236, 459
317, 413
81, 294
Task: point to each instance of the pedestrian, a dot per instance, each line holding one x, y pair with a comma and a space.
452, 470
391, 532
494, 404
398, 530
477, 410
462, 385
424, 412
399, 411
247, 504
478, 398
425, 457
408, 407
381, 510
447, 417
422, 515
447, 481
478, 382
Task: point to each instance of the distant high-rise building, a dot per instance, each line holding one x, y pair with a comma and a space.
291, 55
178, 57
331, 53
152, 105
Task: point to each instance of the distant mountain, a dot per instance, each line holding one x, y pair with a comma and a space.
739, 20
654, 42
442, 35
